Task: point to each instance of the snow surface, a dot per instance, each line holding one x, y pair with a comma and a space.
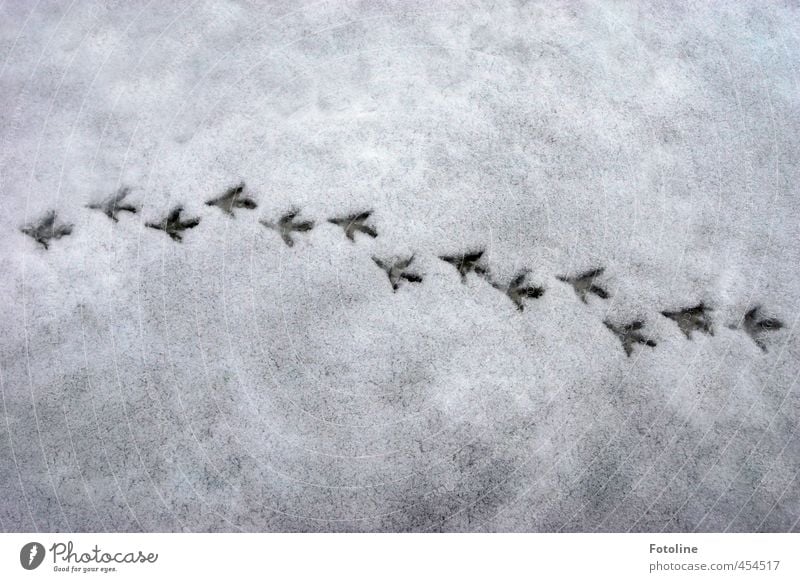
230, 382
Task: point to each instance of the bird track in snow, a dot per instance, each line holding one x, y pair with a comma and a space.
584, 284
469, 262
231, 199
46, 229
756, 326
173, 225
688, 319
355, 223
692, 319
286, 225
114, 204
629, 334
397, 271
517, 291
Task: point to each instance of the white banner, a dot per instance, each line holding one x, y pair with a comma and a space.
373, 557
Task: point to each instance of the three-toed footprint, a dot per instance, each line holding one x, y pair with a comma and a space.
584, 283
46, 229
397, 271
286, 225
232, 198
173, 225
629, 334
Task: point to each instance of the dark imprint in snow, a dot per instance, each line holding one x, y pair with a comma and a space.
286, 226
113, 205
629, 335
232, 198
689, 319
46, 230
517, 291
755, 326
173, 225
692, 319
396, 271
355, 223
585, 284
466, 263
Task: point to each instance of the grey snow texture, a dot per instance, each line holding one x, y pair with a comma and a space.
399, 266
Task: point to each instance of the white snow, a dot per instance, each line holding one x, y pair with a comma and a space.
230, 382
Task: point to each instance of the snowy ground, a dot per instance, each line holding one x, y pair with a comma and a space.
231, 382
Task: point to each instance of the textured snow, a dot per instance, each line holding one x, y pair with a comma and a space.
230, 382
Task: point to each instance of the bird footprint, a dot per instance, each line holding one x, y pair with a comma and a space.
355, 223
46, 230
113, 205
692, 319
517, 291
755, 326
397, 271
286, 226
466, 263
173, 225
585, 284
629, 335
232, 198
